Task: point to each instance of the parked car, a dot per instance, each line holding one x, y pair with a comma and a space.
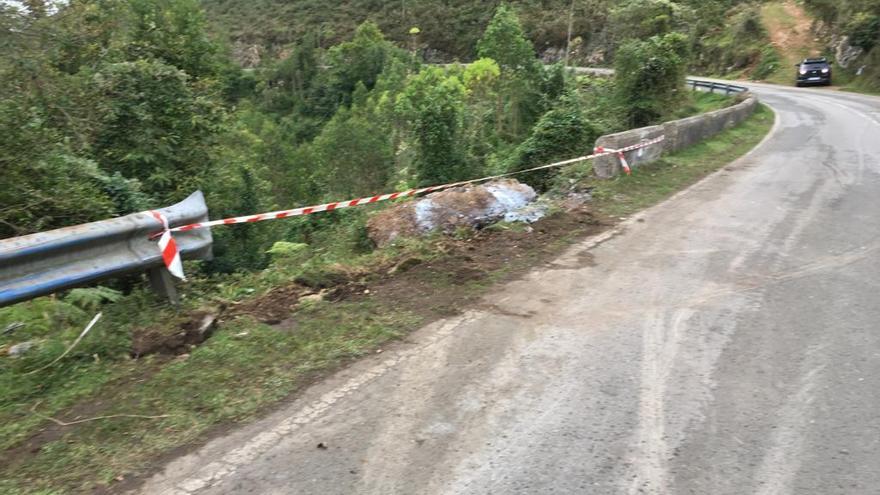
814, 71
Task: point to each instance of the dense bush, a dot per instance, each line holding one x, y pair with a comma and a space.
649, 77
561, 133
864, 30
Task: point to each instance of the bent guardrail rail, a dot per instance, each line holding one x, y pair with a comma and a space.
39, 264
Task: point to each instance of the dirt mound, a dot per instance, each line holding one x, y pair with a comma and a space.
180, 339
472, 206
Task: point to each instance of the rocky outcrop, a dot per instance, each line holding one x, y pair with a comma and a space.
248, 55
844, 53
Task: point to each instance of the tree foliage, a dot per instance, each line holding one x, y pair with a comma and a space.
433, 105
561, 133
649, 77
519, 97
152, 125
113, 121
129, 105
640, 19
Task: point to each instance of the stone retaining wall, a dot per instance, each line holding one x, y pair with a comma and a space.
679, 134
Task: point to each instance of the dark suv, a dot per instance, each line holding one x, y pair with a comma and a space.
814, 71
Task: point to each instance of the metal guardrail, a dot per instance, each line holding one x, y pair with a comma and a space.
46, 262
711, 86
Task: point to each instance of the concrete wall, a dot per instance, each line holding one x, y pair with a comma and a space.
679, 135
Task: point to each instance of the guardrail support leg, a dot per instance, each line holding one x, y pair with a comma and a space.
163, 284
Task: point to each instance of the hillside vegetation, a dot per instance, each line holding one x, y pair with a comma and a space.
728, 37
853, 28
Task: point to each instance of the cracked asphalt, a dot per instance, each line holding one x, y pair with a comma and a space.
726, 341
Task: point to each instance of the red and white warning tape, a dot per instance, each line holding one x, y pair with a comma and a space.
599, 150
168, 247
171, 256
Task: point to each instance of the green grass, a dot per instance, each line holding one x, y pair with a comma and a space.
648, 185
702, 102
240, 370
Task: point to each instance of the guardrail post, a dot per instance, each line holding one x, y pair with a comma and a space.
162, 284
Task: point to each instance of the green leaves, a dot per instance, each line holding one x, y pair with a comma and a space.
864, 30
649, 77
153, 126
561, 133
114, 103
640, 19
505, 42
91, 299
433, 103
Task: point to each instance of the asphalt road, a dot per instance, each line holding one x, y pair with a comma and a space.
726, 341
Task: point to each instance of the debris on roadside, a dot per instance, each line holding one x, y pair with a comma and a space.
471, 206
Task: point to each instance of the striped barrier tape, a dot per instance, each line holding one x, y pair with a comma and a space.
599, 150
172, 257
168, 247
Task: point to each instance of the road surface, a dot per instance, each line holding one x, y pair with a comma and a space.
726, 341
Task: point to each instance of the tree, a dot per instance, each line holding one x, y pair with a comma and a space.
290, 84
172, 31
640, 19
153, 127
505, 42
354, 157
864, 30
481, 80
561, 133
650, 77
518, 104
433, 103
360, 60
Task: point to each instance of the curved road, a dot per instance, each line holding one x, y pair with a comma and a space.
726, 341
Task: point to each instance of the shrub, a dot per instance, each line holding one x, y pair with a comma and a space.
864, 30
561, 133
650, 77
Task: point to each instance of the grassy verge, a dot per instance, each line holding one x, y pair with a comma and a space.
702, 102
861, 89
247, 366
244, 367
657, 181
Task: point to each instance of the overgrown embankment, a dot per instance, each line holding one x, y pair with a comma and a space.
765, 40
278, 330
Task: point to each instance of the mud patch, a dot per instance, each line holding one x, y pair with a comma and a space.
179, 339
273, 307
454, 282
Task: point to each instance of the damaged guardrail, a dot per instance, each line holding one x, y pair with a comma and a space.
46, 262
